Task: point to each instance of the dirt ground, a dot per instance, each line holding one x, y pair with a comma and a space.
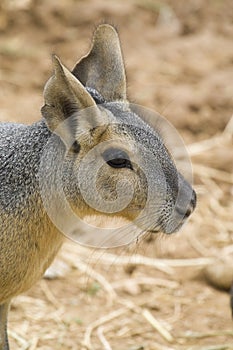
179, 60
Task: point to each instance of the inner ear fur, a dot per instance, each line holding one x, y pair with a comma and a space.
64, 97
103, 67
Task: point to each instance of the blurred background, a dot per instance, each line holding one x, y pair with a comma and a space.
179, 62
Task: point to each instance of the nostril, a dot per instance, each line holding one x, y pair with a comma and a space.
185, 213
188, 212
191, 206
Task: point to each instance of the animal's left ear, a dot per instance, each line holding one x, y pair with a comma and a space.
103, 67
69, 109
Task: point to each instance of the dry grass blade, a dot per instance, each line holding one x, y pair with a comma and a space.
34, 343
208, 334
49, 295
197, 245
107, 318
20, 340
162, 264
229, 128
188, 262
157, 325
204, 146
148, 281
103, 340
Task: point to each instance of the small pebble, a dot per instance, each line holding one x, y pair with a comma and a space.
57, 269
220, 273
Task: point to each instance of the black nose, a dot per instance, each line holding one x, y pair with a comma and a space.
190, 208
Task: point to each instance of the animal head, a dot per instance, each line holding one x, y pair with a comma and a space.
116, 167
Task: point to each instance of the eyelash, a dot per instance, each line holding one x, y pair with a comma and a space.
117, 159
120, 163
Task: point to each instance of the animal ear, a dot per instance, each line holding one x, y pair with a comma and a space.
64, 97
103, 67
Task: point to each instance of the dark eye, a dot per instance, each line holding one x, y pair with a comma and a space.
117, 158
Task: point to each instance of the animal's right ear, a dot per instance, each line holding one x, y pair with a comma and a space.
64, 97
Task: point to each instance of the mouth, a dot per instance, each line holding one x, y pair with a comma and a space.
168, 228
154, 231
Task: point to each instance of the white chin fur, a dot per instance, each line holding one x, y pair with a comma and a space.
104, 221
